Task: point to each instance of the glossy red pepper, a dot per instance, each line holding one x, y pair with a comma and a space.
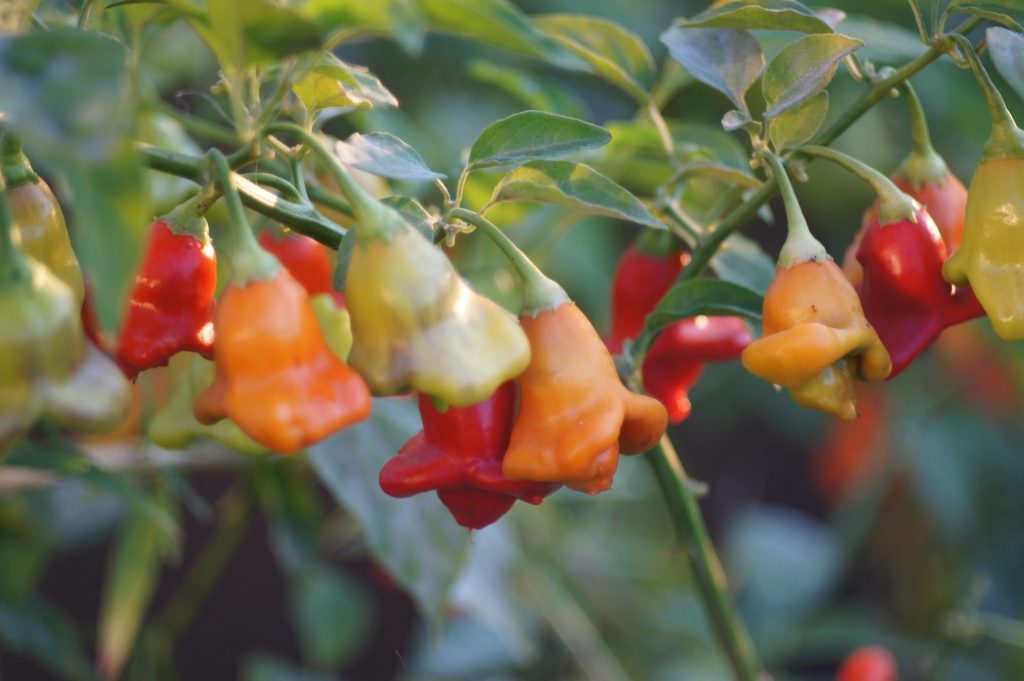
903, 294
306, 259
676, 358
171, 305
459, 454
870, 663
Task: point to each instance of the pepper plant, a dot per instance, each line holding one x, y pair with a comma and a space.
352, 282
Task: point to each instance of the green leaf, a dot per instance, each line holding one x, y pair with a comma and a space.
803, 69
332, 82
533, 136
38, 630
572, 185
1007, 50
415, 538
617, 55
414, 213
383, 154
798, 125
777, 15
742, 261
726, 59
258, 32
128, 587
533, 90
331, 614
498, 23
1009, 13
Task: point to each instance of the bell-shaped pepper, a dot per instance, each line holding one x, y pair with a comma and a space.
176, 427
575, 415
991, 258
306, 259
814, 338
459, 453
275, 375
675, 360
170, 309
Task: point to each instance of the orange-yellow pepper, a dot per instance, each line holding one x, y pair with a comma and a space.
575, 415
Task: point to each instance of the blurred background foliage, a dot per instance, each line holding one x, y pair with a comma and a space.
904, 528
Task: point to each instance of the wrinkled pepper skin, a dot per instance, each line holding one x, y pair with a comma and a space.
275, 375
815, 339
575, 415
459, 454
416, 324
903, 293
170, 309
47, 368
871, 663
41, 233
991, 258
676, 358
306, 259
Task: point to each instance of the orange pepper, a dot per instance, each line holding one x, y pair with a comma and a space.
276, 377
575, 415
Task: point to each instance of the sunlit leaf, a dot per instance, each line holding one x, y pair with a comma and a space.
332, 82
383, 154
1007, 50
728, 60
1009, 13
531, 136
803, 69
798, 125
777, 15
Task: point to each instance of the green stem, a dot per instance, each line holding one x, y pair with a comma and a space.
800, 246
540, 293
680, 497
923, 165
249, 261
14, 165
894, 205
1006, 140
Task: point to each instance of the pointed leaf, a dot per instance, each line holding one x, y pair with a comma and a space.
776, 15
1009, 13
726, 59
615, 54
531, 136
532, 90
383, 154
803, 69
1007, 50
798, 125
332, 82
573, 185
415, 538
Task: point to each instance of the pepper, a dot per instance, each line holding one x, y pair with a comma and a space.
675, 360
47, 368
459, 453
170, 308
814, 336
335, 324
991, 258
306, 259
870, 663
275, 375
176, 427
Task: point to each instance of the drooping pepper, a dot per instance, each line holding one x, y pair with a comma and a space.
170, 309
47, 368
676, 358
870, 663
814, 338
335, 323
275, 375
901, 254
459, 453
991, 257
306, 259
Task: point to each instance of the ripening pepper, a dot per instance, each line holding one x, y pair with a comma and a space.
417, 324
306, 259
675, 360
335, 323
459, 453
171, 305
814, 338
870, 663
575, 415
991, 258
275, 375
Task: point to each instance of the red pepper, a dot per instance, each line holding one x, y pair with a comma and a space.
171, 304
903, 293
459, 453
675, 360
870, 663
306, 259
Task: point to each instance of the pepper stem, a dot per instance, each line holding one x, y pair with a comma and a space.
14, 164
800, 246
894, 204
248, 260
187, 217
923, 165
659, 243
374, 220
540, 293
13, 266
1006, 140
